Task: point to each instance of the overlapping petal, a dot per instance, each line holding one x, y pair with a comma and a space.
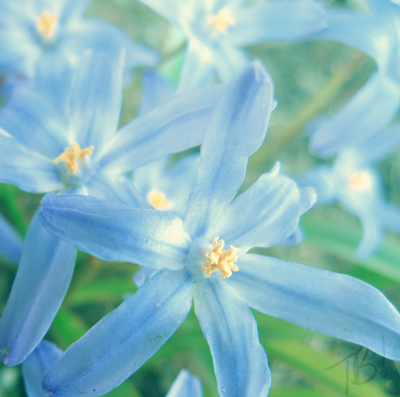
114, 232
240, 362
39, 288
265, 215
277, 21
334, 304
35, 365
236, 130
124, 340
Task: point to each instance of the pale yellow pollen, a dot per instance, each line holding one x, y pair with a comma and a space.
221, 261
222, 20
159, 201
46, 25
71, 156
361, 180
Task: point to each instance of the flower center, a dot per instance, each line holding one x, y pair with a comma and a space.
71, 157
361, 181
159, 201
221, 21
46, 25
219, 260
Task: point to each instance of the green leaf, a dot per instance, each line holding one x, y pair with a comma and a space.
101, 291
341, 241
126, 389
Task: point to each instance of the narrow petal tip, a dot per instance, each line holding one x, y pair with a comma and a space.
308, 198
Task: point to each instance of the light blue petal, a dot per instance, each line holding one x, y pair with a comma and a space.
114, 232
54, 81
372, 236
379, 145
72, 10
96, 100
370, 34
240, 362
151, 176
10, 242
142, 276
277, 21
236, 130
42, 280
273, 215
35, 365
118, 188
199, 68
30, 171
174, 127
185, 385
229, 62
157, 91
99, 36
321, 179
296, 238
331, 303
34, 122
389, 216
124, 340
368, 111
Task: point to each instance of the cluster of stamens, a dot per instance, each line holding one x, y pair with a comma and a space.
361, 181
159, 201
220, 260
221, 21
46, 25
71, 157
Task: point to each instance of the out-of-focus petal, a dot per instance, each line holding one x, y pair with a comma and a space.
10, 242
114, 232
240, 362
185, 385
229, 62
42, 280
370, 110
372, 236
30, 171
124, 340
277, 21
157, 91
168, 9
35, 365
173, 127
265, 214
236, 130
334, 304
96, 100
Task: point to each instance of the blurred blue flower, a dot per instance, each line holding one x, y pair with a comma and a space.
35, 365
216, 30
58, 138
32, 28
10, 242
190, 257
377, 33
353, 181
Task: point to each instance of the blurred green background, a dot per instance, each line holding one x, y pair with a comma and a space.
310, 78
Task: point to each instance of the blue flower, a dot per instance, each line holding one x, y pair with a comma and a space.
216, 30
10, 242
194, 263
35, 365
377, 34
353, 181
32, 28
58, 138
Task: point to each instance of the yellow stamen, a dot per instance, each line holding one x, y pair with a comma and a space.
221, 261
222, 20
71, 156
361, 180
159, 201
47, 24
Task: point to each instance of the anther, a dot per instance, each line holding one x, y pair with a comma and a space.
46, 25
222, 20
70, 157
221, 261
159, 201
361, 181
